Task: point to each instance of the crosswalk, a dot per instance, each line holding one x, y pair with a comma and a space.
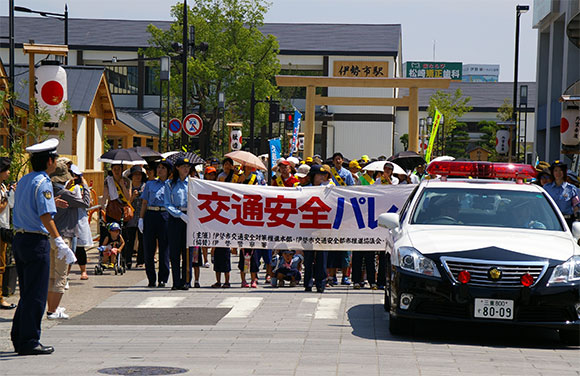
318, 308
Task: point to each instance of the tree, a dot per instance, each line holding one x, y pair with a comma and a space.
405, 140
489, 128
452, 106
505, 111
238, 55
457, 141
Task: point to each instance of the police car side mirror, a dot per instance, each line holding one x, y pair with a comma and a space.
575, 229
389, 220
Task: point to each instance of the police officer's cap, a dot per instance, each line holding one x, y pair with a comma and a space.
49, 146
167, 163
560, 164
182, 161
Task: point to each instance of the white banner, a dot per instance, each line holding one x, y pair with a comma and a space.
302, 218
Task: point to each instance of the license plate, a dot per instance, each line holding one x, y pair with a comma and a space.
494, 309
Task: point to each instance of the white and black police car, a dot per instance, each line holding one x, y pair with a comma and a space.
482, 249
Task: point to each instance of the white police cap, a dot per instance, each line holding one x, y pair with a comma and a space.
75, 170
49, 146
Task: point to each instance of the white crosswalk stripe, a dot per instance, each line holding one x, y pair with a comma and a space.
161, 302
327, 308
241, 306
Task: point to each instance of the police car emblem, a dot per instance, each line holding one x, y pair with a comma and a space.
494, 273
47, 195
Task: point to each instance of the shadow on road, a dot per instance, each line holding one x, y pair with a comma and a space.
370, 321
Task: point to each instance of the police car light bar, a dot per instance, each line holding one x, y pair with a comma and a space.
482, 170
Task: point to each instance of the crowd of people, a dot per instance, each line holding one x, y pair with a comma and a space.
145, 215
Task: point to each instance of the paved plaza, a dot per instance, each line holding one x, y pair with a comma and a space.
116, 321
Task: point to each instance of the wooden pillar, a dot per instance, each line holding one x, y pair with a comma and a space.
31, 85
414, 119
309, 127
74, 134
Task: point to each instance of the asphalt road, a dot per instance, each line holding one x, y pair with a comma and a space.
118, 322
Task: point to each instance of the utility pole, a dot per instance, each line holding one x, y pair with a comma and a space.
11, 74
252, 117
184, 137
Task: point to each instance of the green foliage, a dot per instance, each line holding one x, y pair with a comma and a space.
238, 55
457, 142
489, 128
452, 106
405, 140
505, 111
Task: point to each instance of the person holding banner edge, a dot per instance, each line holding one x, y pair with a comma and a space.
175, 201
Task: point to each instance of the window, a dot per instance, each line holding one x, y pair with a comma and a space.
122, 79
299, 92
485, 207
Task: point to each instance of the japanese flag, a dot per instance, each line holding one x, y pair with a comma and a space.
51, 90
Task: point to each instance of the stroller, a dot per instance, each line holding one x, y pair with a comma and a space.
109, 250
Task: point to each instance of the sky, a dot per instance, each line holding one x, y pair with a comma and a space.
468, 31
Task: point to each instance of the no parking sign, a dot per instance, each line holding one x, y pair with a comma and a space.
192, 124
175, 125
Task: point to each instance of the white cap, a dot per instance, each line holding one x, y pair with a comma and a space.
75, 169
295, 161
303, 171
49, 146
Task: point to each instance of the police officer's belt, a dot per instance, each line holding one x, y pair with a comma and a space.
22, 231
156, 208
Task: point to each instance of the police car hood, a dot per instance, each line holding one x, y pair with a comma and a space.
555, 245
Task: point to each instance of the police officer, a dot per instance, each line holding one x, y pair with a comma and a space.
34, 208
564, 194
176, 204
153, 224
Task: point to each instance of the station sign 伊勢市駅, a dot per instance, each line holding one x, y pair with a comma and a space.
361, 69
425, 69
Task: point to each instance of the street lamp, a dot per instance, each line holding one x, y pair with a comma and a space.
58, 16
164, 73
519, 10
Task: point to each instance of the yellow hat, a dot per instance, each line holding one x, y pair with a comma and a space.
365, 158
309, 159
353, 164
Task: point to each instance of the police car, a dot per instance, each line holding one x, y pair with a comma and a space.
481, 249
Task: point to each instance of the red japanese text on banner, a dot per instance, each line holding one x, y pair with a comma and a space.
303, 218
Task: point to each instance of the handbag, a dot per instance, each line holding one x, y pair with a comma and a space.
128, 213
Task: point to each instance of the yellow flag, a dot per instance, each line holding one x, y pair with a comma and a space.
436, 121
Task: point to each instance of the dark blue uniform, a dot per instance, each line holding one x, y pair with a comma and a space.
31, 246
315, 263
155, 224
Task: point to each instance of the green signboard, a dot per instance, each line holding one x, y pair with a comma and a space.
419, 69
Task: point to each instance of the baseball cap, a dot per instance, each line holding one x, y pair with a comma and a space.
354, 164
303, 171
283, 161
210, 169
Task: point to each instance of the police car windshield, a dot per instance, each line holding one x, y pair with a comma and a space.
487, 208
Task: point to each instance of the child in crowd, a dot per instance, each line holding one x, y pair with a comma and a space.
221, 264
112, 245
249, 263
287, 268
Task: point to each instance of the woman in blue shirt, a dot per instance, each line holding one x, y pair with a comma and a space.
176, 205
153, 225
564, 194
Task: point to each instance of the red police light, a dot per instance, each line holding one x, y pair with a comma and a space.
527, 280
464, 276
482, 170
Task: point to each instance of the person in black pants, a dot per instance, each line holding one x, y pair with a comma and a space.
34, 206
138, 178
357, 263
153, 224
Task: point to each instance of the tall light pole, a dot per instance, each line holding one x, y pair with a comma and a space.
519, 10
164, 75
184, 56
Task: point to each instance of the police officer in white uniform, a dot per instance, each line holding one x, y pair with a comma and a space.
34, 208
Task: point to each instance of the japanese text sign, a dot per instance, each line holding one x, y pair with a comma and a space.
361, 69
302, 218
417, 69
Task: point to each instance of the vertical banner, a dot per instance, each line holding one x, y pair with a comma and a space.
436, 121
275, 151
297, 118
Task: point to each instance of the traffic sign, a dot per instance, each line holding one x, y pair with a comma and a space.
175, 125
192, 124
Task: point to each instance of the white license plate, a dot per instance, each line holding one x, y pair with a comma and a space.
494, 309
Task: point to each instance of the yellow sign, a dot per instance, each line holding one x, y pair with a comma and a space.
436, 120
361, 69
